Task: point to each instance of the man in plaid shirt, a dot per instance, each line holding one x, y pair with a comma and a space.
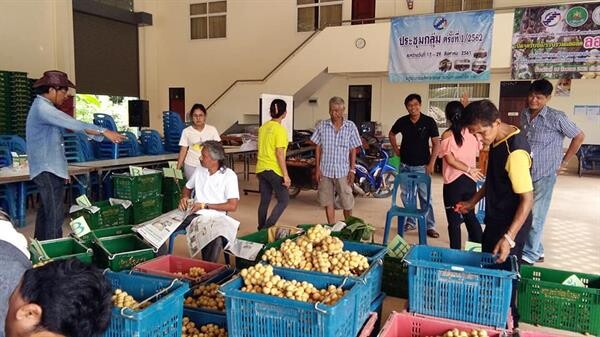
546, 129
337, 140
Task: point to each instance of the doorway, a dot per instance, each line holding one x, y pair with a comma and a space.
513, 99
177, 101
363, 11
359, 103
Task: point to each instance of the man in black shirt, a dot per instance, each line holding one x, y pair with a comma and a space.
417, 129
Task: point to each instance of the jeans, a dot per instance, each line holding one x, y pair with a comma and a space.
269, 182
50, 215
421, 192
542, 195
461, 189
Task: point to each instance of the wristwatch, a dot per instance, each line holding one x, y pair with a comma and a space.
510, 241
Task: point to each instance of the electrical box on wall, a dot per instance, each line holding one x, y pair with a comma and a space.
313, 100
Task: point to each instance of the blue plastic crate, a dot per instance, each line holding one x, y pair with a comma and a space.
460, 285
258, 315
203, 318
161, 318
369, 283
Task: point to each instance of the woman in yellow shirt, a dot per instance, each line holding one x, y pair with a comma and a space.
270, 165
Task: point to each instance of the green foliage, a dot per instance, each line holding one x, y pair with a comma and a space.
86, 105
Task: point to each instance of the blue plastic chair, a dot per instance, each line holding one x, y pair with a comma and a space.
151, 142
105, 121
411, 181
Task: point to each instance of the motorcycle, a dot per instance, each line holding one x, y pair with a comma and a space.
375, 178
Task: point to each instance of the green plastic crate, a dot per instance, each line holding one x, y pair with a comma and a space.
137, 187
57, 249
104, 232
108, 215
544, 300
172, 194
122, 252
261, 236
395, 277
146, 209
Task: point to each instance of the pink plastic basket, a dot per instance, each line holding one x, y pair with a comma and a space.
367, 329
169, 266
411, 325
538, 334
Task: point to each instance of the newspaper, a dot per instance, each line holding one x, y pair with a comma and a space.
158, 230
206, 227
245, 249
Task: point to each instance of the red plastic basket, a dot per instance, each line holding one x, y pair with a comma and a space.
410, 325
169, 266
369, 326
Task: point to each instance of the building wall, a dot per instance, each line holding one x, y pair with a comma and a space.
36, 36
388, 100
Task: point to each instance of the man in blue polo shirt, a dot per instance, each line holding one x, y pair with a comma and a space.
546, 129
46, 150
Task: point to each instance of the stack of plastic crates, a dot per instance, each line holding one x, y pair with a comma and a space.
460, 285
163, 317
144, 191
107, 149
151, 143
172, 128
15, 101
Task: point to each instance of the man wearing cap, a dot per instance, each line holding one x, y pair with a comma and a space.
45, 149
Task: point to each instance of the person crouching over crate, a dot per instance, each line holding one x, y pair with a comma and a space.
63, 298
508, 188
216, 189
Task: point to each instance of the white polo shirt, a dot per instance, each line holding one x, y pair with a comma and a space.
193, 139
216, 188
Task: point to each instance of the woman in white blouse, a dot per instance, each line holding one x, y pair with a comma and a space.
192, 137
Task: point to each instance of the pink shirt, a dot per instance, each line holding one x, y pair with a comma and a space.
467, 153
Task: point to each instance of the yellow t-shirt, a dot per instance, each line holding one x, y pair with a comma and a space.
271, 135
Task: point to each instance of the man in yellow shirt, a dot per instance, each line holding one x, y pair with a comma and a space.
270, 166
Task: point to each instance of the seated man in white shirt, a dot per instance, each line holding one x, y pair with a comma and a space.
216, 188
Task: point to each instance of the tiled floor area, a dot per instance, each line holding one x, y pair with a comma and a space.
571, 235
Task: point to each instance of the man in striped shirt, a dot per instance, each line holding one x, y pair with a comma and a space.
546, 129
337, 140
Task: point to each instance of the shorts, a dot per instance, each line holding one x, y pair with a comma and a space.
329, 187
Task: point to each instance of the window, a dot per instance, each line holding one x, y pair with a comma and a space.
318, 14
442, 6
441, 94
208, 20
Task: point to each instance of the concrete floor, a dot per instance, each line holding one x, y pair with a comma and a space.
571, 232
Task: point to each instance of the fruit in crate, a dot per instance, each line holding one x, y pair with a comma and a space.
121, 299
459, 333
317, 250
206, 296
260, 279
194, 272
190, 329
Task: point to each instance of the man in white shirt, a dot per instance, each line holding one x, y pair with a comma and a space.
216, 189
